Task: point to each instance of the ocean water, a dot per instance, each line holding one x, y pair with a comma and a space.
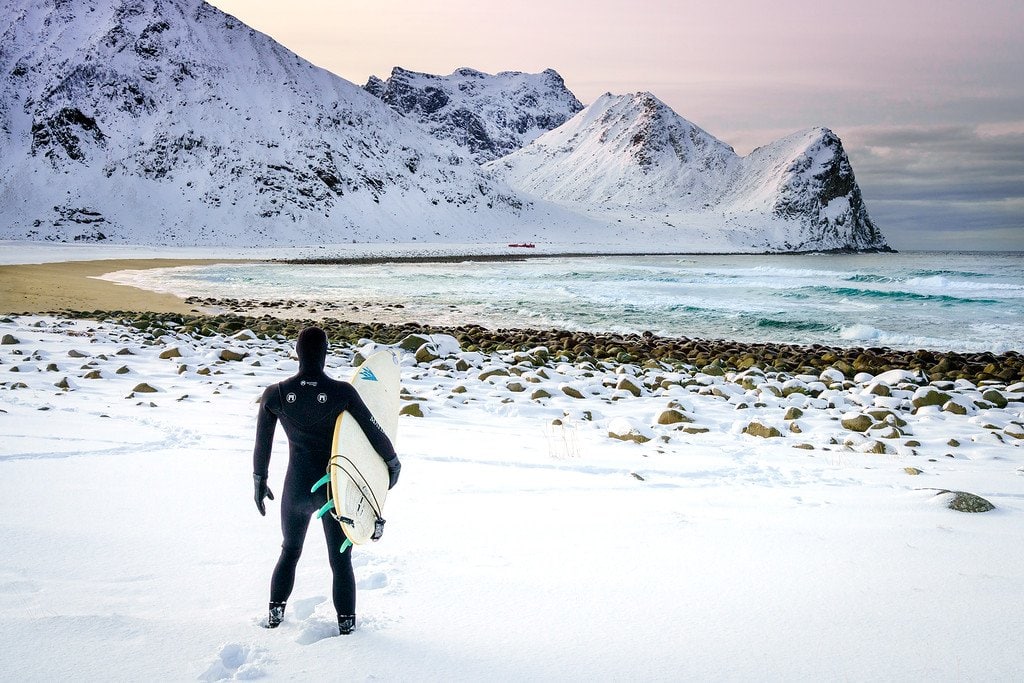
940, 301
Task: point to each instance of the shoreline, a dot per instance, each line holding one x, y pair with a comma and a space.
528, 254
72, 289
708, 356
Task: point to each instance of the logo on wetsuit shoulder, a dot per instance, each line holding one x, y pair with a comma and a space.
290, 397
321, 398
307, 383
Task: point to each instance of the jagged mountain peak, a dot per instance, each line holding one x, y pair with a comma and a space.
490, 115
169, 121
625, 153
633, 157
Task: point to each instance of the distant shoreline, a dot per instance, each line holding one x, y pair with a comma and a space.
529, 254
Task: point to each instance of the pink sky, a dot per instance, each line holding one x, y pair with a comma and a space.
747, 71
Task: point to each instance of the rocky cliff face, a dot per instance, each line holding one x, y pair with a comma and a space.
633, 158
167, 121
813, 184
489, 115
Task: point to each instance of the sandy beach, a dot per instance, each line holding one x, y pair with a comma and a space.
73, 285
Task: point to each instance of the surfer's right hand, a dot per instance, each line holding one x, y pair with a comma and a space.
262, 491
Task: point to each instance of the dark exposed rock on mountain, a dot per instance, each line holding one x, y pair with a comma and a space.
490, 116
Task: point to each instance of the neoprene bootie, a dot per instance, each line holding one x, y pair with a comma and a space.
276, 614
346, 623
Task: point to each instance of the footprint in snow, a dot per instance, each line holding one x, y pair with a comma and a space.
317, 628
374, 581
237, 662
305, 607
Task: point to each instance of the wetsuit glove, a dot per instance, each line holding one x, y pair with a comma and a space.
394, 467
262, 491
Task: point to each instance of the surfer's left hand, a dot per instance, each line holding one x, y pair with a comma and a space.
394, 468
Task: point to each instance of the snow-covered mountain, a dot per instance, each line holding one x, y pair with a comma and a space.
168, 121
490, 115
631, 157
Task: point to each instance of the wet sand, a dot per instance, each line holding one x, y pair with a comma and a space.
72, 285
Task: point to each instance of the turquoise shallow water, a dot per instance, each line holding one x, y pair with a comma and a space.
944, 301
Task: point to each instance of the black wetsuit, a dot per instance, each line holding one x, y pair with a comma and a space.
307, 405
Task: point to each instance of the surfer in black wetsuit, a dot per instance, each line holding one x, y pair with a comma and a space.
307, 405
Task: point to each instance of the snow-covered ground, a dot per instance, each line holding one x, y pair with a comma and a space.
516, 548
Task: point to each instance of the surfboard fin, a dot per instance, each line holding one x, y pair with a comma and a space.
325, 509
345, 546
323, 480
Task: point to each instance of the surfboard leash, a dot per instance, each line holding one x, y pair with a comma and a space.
364, 487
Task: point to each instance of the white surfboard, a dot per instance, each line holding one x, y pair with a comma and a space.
359, 477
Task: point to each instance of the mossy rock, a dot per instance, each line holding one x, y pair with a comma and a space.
427, 354
673, 416
793, 413
173, 352
967, 502
1014, 430
144, 388
229, 355
632, 435
879, 389
572, 392
858, 423
877, 447
9, 339
995, 397
954, 407
413, 342
627, 384
493, 372
539, 394
763, 431
886, 415
411, 409
929, 396
913, 471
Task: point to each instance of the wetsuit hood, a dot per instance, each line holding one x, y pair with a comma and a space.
311, 348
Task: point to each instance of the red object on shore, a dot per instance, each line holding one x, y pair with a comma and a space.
527, 245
